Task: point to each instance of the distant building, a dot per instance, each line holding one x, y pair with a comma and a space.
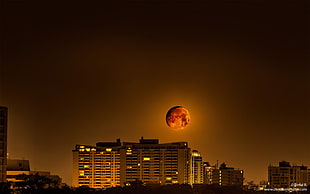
223, 176
3, 142
113, 164
197, 168
15, 168
287, 176
207, 173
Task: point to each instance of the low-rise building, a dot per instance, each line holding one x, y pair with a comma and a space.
287, 176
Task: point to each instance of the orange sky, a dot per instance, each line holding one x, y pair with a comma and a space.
95, 73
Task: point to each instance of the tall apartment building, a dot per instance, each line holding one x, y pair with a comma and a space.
152, 162
287, 176
113, 164
3, 142
97, 166
223, 175
197, 168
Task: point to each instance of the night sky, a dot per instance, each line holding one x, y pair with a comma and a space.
80, 72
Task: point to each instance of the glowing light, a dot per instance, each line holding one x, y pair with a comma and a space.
195, 154
108, 149
146, 158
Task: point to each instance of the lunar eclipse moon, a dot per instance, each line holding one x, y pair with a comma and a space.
177, 117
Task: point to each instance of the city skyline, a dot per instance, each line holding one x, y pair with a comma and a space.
97, 73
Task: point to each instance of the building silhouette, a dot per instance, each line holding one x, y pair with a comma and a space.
111, 164
287, 176
197, 168
3, 142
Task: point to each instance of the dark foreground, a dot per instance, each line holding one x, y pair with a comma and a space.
38, 185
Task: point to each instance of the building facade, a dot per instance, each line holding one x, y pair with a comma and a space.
114, 164
19, 171
97, 166
287, 176
207, 173
152, 162
3, 142
223, 176
197, 168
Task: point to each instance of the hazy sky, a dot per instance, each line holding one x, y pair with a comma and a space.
84, 72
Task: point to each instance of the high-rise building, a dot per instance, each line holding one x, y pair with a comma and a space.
97, 166
223, 175
3, 142
197, 168
207, 173
152, 162
113, 164
287, 176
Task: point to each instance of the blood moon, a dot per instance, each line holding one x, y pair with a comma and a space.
177, 117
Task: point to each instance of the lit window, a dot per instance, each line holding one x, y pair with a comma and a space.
128, 152
146, 158
86, 166
195, 154
139, 164
93, 149
81, 172
87, 149
82, 146
81, 150
168, 178
108, 149
174, 182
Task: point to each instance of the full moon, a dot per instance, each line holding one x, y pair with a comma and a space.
177, 117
